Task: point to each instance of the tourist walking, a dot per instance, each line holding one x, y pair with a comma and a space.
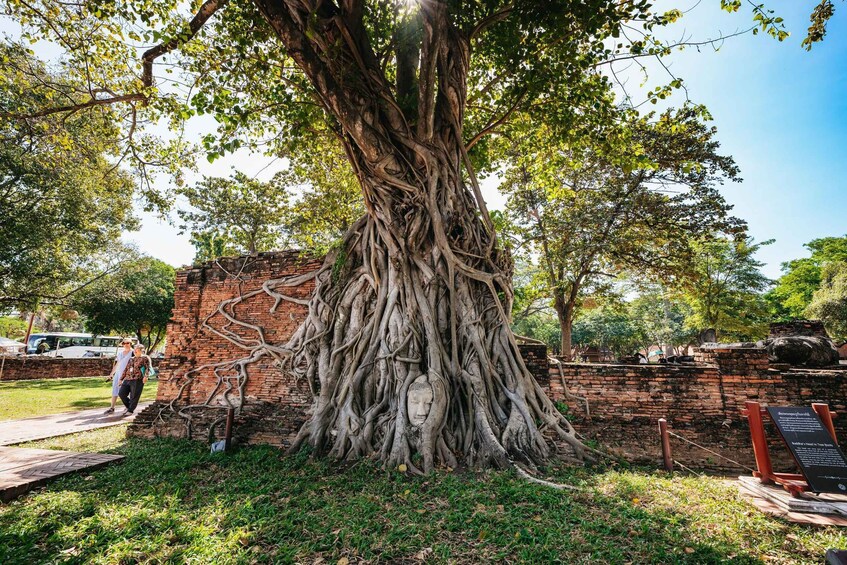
121, 359
133, 378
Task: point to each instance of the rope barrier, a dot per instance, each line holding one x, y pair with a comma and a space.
692, 471
715, 453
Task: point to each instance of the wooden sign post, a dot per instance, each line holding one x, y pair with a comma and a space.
810, 437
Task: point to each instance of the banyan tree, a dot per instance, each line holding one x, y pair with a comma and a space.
407, 344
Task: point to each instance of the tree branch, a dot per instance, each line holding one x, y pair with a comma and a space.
490, 127
205, 12
137, 97
491, 19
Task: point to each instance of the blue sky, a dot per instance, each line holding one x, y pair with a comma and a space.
780, 111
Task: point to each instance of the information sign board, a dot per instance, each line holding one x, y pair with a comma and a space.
820, 460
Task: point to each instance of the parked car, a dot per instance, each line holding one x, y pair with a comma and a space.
10, 346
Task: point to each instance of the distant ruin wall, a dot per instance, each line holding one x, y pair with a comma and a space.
31, 367
702, 402
798, 327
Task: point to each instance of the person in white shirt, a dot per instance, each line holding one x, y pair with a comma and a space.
122, 358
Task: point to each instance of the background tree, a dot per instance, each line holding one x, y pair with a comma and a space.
12, 327
328, 201
210, 245
532, 315
662, 318
829, 302
242, 211
594, 210
137, 300
793, 292
63, 202
310, 206
724, 290
608, 326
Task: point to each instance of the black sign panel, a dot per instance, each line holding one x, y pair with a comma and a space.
819, 458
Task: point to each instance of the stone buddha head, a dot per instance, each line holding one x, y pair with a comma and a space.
419, 400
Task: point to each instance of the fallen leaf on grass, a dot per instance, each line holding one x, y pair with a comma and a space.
423, 554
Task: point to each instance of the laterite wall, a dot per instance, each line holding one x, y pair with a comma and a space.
701, 402
37, 367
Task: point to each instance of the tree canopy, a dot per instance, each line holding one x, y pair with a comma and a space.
593, 210
609, 327
725, 291
63, 201
308, 206
136, 300
793, 291
240, 210
829, 302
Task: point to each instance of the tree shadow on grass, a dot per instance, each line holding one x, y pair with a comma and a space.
76, 383
172, 500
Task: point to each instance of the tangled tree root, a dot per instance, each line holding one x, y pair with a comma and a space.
406, 346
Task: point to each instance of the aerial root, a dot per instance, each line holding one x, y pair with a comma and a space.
523, 473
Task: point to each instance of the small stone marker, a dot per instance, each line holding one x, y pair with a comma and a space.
820, 460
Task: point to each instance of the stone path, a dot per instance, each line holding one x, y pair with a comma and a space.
41, 427
21, 470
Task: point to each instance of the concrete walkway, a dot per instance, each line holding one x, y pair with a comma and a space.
21, 470
41, 427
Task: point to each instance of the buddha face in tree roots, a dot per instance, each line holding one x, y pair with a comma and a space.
419, 401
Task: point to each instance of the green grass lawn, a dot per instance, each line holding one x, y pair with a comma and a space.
171, 501
22, 399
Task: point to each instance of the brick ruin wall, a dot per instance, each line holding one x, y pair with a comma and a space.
275, 403
798, 327
36, 367
701, 402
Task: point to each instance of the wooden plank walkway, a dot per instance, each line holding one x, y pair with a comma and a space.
21, 470
52, 425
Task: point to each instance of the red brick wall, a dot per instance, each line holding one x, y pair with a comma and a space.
275, 403
37, 367
701, 403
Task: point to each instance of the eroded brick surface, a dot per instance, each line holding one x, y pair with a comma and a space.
275, 402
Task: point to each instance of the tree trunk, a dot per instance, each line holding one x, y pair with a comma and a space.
564, 312
407, 345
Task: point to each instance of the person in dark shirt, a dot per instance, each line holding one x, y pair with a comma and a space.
133, 379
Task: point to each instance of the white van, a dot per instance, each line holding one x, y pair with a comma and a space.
72, 345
